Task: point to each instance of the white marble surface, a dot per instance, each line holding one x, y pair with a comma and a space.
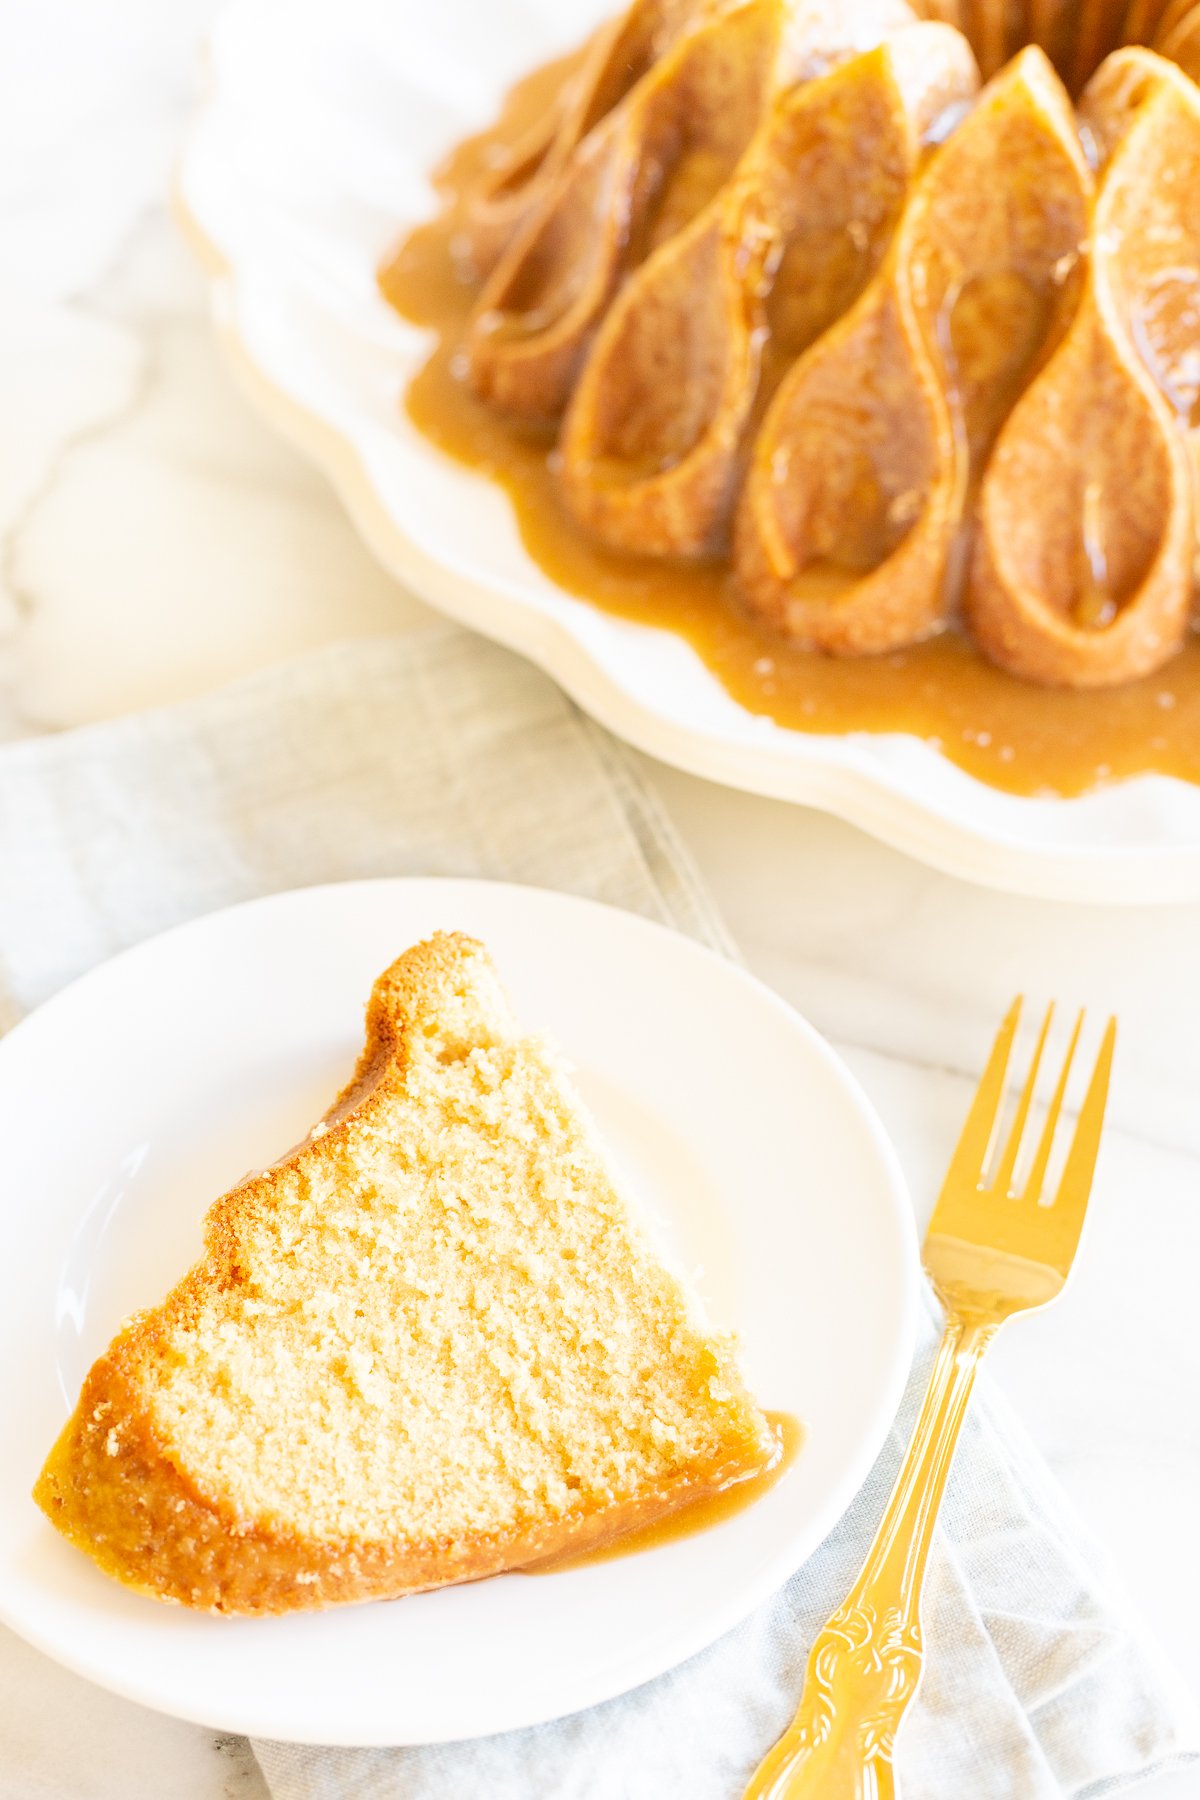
155, 539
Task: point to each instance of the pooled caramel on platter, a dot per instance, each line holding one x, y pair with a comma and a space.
1020, 737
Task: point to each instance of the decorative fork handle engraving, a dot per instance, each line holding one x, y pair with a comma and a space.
992, 1250
865, 1665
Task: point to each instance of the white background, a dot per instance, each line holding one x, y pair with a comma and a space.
155, 539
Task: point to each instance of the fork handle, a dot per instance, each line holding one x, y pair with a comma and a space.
865, 1664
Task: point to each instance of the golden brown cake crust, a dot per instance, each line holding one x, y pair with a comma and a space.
139, 1517
114, 1488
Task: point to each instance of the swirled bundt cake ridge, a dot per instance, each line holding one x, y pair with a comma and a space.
791, 290
861, 474
653, 436
1095, 581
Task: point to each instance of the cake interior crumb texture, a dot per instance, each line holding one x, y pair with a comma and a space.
431, 1343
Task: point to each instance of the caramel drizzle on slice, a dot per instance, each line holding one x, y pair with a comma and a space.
1092, 586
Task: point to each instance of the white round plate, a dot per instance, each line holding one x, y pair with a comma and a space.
309, 158
131, 1100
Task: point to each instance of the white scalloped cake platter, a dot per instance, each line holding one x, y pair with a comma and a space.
767, 1174
308, 160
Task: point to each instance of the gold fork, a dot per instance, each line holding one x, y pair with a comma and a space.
990, 1252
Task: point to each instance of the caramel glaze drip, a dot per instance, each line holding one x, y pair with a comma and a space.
697, 1517
1015, 736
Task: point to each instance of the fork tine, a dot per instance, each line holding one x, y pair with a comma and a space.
1037, 1174
1076, 1184
970, 1157
1002, 1180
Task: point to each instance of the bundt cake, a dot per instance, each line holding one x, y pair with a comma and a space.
896, 315
429, 1344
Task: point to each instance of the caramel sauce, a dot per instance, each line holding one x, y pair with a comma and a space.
1015, 736
699, 1516
995, 327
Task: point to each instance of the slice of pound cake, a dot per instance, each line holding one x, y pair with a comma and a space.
429, 1344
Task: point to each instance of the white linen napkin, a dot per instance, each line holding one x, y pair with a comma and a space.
440, 754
